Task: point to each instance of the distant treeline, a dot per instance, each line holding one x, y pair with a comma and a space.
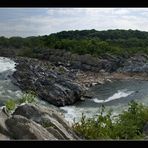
97, 43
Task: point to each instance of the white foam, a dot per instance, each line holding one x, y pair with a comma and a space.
96, 100
118, 95
6, 64
70, 114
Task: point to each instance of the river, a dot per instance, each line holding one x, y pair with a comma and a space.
113, 95
7, 89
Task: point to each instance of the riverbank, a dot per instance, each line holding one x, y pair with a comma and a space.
89, 79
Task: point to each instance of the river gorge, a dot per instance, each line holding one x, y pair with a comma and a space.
114, 94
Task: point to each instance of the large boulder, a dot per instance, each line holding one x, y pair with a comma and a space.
48, 118
3, 117
61, 92
36, 122
4, 137
22, 128
50, 85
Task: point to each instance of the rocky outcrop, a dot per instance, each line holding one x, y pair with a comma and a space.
36, 122
3, 117
107, 62
50, 84
4, 137
85, 62
22, 128
88, 62
49, 119
59, 82
135, 64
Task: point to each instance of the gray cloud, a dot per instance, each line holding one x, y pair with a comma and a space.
41, 21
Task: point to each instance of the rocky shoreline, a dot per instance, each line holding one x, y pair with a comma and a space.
62, 85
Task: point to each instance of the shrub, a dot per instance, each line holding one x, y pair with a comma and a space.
27, 98
10, 105
99, 127
128, 125
131, 122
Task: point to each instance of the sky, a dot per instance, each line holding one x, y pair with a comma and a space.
44, 21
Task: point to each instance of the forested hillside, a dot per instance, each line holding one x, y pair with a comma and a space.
97, 43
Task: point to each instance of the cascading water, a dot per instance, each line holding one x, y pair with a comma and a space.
113, 95
118, 95
7, 89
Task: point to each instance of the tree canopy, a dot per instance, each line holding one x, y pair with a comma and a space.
116, 42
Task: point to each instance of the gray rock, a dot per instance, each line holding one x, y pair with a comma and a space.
55, 132
22, 128
3, 117
50, 85
145, 129
47, 118
4, 137
135, 64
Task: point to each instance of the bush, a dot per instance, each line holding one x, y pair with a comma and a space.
10, 105
27, 98
128, 125
99, 127
131, 122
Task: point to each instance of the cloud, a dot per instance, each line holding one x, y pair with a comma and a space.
66, 12
41, 21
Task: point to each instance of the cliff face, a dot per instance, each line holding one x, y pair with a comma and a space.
35, 122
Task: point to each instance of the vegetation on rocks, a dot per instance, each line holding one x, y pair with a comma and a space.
10, 104
28, 97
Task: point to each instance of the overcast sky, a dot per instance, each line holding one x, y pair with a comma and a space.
40, 21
